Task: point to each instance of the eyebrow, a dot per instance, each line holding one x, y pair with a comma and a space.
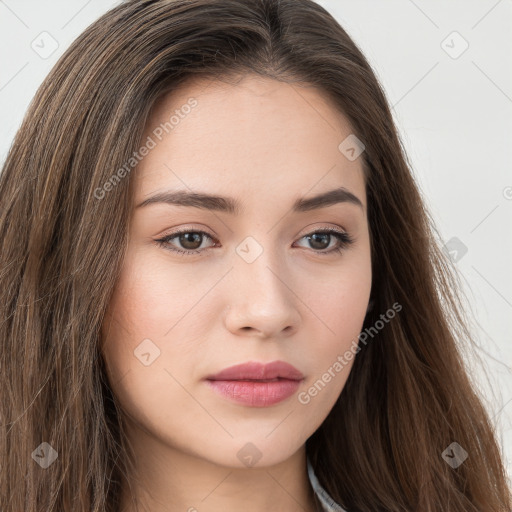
234, 207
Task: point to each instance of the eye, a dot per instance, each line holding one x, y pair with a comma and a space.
191, 241
191, 244
321, 240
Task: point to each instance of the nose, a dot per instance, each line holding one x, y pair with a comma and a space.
261, 300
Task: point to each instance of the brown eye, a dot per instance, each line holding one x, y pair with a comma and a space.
320, 240
187, 241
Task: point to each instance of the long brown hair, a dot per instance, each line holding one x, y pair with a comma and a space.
408, 397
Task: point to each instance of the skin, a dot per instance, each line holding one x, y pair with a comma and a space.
265, 143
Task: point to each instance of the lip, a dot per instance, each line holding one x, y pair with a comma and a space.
257, 384
253, 370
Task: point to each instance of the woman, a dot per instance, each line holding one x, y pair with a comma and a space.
220, 285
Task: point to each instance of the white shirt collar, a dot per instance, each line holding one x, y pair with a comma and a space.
328, 504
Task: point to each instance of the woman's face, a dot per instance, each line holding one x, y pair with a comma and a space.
260, 283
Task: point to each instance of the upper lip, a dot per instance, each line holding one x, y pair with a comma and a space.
253, 370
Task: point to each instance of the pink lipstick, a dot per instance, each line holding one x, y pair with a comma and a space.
256, 384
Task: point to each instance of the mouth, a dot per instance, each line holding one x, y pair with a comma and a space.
255, 384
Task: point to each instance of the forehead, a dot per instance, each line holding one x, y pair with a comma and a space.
257, 136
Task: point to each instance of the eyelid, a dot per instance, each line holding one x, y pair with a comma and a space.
331, 227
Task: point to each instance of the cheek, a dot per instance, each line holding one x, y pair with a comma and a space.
338, 307
149, 308
149, 298
338, 299
141, 311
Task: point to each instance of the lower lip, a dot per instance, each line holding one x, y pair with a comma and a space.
253, 393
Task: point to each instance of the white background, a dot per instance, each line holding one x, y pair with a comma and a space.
454, 116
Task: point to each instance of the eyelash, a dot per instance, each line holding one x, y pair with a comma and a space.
344, 239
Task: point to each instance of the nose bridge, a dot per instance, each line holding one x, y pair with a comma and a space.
261, 263
261, 297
